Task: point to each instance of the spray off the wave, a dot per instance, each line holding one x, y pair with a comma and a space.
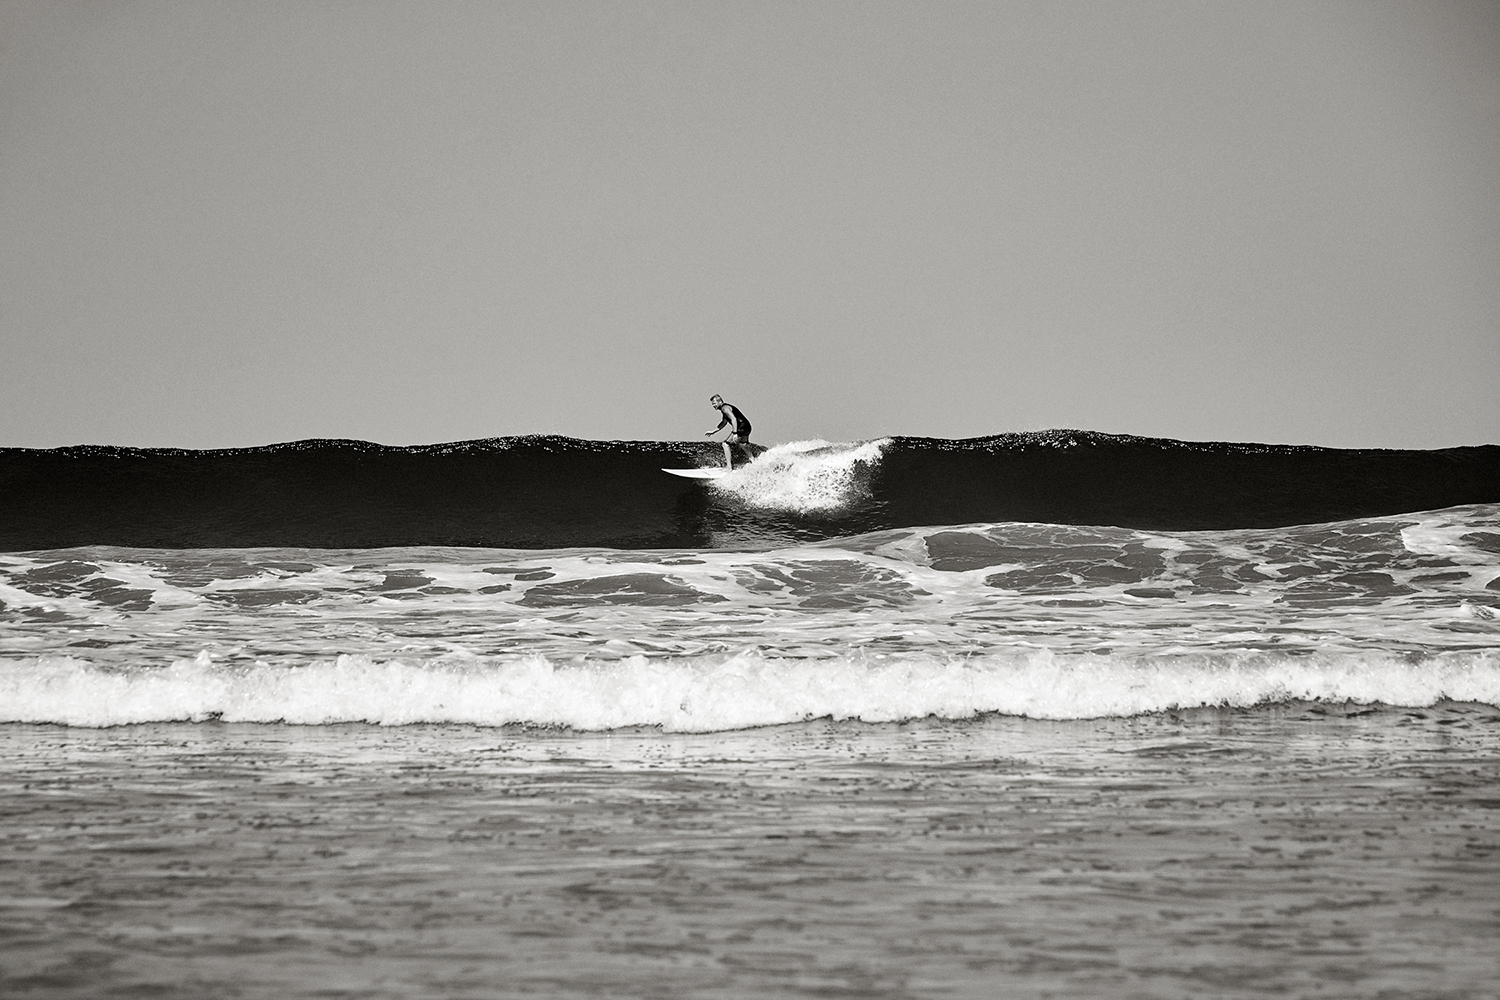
804, 477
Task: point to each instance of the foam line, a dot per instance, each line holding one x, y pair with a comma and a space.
698, 694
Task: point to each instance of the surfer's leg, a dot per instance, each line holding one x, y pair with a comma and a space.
739, 442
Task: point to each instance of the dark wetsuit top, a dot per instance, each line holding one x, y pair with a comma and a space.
732, 414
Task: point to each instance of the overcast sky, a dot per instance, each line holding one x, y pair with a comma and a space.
245, 222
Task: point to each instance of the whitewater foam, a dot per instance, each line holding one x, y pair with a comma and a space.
949, 620
700, 694
804, 477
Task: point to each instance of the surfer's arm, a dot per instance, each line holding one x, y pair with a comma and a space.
723, 420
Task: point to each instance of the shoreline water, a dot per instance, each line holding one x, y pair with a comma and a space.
1296, 848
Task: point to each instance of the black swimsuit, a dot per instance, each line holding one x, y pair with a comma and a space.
741, 428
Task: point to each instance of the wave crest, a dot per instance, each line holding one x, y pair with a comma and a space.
702, 694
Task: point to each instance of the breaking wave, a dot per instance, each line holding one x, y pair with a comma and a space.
703, 694
804, 477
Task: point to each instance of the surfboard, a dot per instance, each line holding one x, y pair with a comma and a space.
712, 473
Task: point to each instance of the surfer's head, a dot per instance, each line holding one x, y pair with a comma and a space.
716, 399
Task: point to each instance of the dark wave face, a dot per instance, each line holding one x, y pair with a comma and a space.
555, 492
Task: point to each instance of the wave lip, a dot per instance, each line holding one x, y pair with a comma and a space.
704, 694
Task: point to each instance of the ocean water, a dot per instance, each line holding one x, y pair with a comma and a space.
998, 758
548, 492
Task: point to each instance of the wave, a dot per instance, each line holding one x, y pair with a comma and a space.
953, 621
1416, 583
804, 477
556, 492
701, 694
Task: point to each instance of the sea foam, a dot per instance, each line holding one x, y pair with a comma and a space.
805, 477
699, 694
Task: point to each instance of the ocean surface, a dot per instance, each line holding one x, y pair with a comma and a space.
547, 492
1032, 715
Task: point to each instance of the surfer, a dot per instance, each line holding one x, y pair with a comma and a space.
739, 428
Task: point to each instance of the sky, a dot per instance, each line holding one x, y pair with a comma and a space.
236, 223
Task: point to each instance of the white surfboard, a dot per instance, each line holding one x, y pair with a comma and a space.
713, 473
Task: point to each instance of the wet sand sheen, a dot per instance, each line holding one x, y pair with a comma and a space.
1289, 849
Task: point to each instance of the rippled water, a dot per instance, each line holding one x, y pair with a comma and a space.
1291, 850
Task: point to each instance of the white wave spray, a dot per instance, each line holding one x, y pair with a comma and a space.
700, 694
804, 476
